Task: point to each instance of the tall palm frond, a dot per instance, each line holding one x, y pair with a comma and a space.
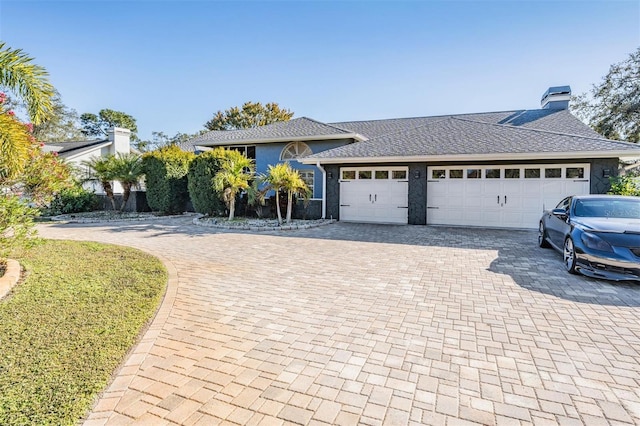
104, 170
29, 81
15, 143
234, 175
128, 170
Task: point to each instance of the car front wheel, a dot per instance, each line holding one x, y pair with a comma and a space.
569, 256
542, 237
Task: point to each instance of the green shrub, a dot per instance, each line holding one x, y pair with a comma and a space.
201, 172
625, 185
16, 224
166, 178
74, 200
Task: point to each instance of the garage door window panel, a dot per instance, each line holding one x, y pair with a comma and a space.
492, 173
399, 174
348, 174
474, 173
555, 173
575, 172
382, 174
455, 174
364, 174
512, 173
438, 174
532, 173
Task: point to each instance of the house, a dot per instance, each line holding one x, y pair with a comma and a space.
75, 153
498, 169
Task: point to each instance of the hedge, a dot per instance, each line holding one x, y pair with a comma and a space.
204, 198
166, 179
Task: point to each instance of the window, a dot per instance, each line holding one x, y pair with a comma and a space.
552, 173
382, 174
364, 174
249, 151
438, 174
399, 174
348, 174
512, 173
531, 173
295, 150
307, 177
473, 173
455, 174
492, 173
575, 172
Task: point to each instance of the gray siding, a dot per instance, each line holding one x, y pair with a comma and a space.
418, 194
599, 168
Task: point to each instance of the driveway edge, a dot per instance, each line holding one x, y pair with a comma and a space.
104, 406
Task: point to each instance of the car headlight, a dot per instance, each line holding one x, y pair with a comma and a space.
594, 242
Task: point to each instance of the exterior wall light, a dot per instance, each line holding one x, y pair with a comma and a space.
416, 174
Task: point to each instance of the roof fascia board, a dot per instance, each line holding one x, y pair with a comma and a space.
475, 157
355, 136
84, 150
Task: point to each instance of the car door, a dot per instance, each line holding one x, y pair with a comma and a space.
556, 224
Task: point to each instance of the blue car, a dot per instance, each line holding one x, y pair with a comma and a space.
598, 235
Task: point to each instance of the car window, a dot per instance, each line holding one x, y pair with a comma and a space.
564, 204
600, 207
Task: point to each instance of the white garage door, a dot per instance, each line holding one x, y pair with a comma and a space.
500, 196
374, 194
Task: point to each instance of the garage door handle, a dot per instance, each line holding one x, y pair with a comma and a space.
431, 207
400, 207
369, 197
345, 205
375, 197
505, 199
581, 180
498, 199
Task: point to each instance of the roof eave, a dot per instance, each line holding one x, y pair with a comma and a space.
73, 153
355, 136
473, 157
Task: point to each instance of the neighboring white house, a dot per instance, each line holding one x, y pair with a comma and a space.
75, 153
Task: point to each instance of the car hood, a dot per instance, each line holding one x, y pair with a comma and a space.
609, 224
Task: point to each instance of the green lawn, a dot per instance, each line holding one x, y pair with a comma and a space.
67, 327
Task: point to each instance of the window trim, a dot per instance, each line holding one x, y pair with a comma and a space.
293, 144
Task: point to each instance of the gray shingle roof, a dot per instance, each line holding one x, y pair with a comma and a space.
457, 135
302, 127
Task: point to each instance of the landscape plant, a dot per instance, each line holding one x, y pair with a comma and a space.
166, 178
236, 172
202, 169
128, 171
75, 199
282, 177
625, 185
103, 170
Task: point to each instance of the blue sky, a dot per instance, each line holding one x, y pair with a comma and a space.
172, 64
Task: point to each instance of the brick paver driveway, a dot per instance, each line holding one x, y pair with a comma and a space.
349, 324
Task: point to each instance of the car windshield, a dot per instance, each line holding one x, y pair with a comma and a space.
604, 207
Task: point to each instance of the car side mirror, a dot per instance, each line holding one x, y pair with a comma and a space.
561, 213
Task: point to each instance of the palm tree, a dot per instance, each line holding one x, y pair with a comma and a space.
276, 178
127, 169
234, 175
104, 170
30, 82
282, 177
294, 185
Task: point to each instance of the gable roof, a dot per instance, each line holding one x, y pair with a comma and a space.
70, 149
301, 128
539, 133
458, 136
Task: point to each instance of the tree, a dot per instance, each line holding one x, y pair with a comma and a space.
103, 168
127, 169
612, 108
282, 177
99, 125
63, 125
161, 139
234, 175
276, 179
252, 114
29, 81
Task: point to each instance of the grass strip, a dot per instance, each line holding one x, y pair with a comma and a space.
68, 326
